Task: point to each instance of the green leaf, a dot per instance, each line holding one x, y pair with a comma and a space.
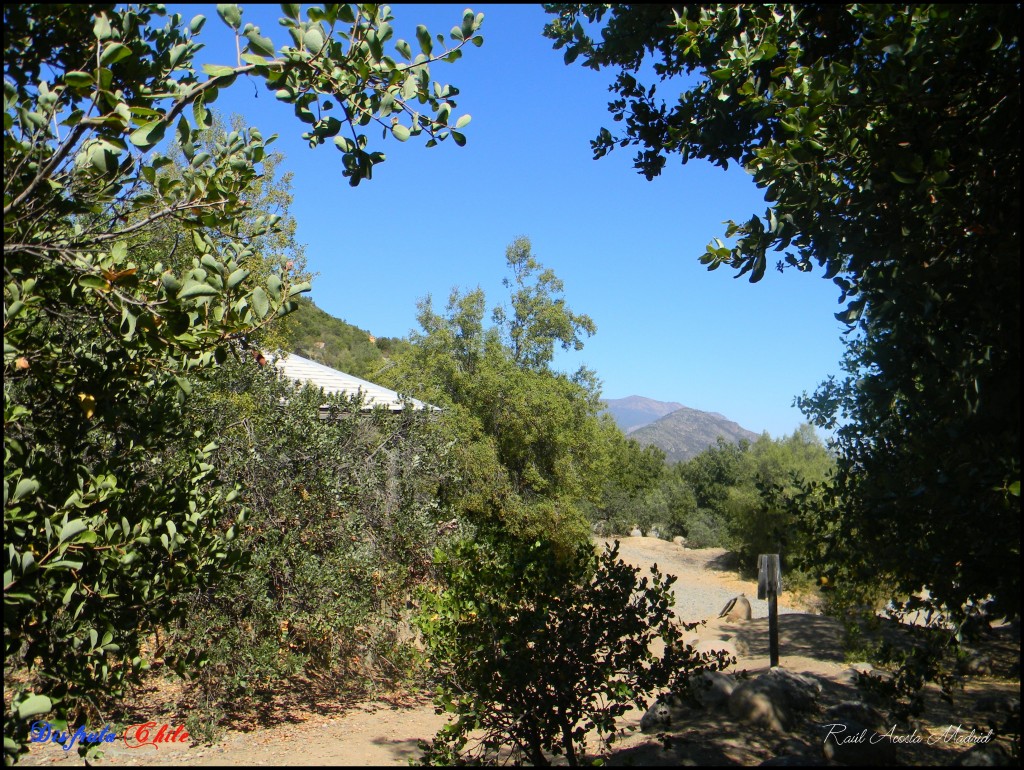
463, 121
25, 487
236, 278
400, 132
218, 70
259, 44
103, 156
260, 303
101, 28
128, 322
78, 79
34, 705
231, 14
71, 529
176, 53
114, 52
901, 178
170, 282
313, 39
424, 39
194, 288
148, 134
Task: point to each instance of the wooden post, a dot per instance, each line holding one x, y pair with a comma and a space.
769, 586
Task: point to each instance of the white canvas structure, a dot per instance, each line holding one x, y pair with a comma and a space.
302, 370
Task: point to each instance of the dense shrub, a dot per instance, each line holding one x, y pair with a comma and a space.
343, 523
535, 651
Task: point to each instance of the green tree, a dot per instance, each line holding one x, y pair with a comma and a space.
538, 317
879, 135
762, 515
530, 442
634, 473
111, 511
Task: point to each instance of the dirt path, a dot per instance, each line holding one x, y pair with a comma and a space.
381, 733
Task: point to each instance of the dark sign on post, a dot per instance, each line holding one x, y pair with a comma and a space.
769, 586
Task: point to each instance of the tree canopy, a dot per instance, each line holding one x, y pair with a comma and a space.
127, 275
530, 444
883, 137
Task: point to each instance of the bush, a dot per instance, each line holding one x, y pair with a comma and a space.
536, 652
705, 530
343, 520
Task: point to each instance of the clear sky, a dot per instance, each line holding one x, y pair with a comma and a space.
626, 248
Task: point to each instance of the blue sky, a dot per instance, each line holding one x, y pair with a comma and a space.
626, 248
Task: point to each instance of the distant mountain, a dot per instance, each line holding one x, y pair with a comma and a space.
633, 412
686, 432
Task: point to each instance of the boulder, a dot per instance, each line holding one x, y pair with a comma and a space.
855, 711
635, 532
666, 710
657, 717
737, 609
853, 673
791, 760
679, 540
855, 743
985, 755
712, 689
999, 704
774, 699
975, 664
715, 645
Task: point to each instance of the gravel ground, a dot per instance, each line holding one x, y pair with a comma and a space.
706, 583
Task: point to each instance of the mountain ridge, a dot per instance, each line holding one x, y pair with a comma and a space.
633, 412
681, 432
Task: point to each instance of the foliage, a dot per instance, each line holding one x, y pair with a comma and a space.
537, 317
713, 472
745, 496
318, 336
879, 135
763, 514
343, 522
633, 473
536, 651
111, 510
529, 446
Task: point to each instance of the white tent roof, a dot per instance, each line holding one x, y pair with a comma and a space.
302, 370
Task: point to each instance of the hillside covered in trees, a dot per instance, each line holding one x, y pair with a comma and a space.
321, 337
